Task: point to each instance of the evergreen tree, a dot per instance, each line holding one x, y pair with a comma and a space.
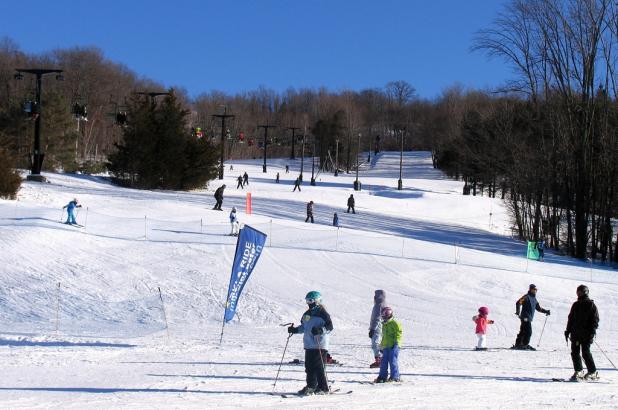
10, 180
158, 151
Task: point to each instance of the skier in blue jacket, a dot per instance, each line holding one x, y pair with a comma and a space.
70, 207
315, 325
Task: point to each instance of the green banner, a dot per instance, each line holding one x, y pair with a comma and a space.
533, 252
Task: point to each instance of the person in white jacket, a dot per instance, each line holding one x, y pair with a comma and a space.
375, 326
234, 222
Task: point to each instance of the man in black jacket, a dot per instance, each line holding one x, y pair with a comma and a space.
219, 197
581, 329
524, 309
351, 204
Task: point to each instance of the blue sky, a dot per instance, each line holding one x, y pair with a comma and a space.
239, 45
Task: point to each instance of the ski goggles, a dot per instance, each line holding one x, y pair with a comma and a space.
309, 300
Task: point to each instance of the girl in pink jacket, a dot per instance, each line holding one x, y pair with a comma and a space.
482, 321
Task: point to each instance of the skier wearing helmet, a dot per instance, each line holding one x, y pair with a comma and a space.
581, 328
70, 207
391, 341
482, 321
315, 325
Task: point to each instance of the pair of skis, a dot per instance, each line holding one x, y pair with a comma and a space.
331, 393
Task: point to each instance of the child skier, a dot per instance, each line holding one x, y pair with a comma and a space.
70, 207
391, 340
315, 325
234, 222
481, 327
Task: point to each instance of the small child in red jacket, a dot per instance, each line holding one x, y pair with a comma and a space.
481, 327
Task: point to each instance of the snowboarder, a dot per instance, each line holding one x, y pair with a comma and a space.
581, 328
482, 321
240, 182
351, 204
234, 222
287, 169
70, 207
540, 246
219, 197
336, 220
375, 326
309, 211
297, 184
524, 309
391, 340
277, 179
315, 325
231, 167
246, 178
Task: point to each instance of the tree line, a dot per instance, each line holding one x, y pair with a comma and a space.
545, 142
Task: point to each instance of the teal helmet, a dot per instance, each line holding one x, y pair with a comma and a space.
314, 295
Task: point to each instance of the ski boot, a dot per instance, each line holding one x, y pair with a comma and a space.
591, 376
377, 363
394, 380
322, 391
480, 349
379, 380
306, 391
528, 347
577, 376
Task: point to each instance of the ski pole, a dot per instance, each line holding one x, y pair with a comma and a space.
282, 357
542, 330
317, 339
605, 354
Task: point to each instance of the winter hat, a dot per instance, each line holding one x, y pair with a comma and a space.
532, 286
583, 289
484, 310
314, 295
379, 296
386, 313
233, 209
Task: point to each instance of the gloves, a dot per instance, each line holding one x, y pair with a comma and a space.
566, 335
316, 330
592, 338
371, 333
548, 312
491, 322
291, 329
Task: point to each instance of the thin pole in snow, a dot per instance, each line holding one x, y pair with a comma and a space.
61, 212
86, 221
145, 236
223, 325
542, 330
57, 307
201, 225
337, 240
270, 234
167, 329
403, 245
605, 354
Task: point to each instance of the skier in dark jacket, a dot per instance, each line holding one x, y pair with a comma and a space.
524, 309
297, 184
309, 211
219, 197
581, 329
351, 204
315, 325
246, 178
240, 184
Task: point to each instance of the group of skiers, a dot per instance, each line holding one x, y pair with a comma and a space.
386, 336
351, 203
242, 180
581, 328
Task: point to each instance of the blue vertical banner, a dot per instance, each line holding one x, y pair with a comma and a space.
248, 250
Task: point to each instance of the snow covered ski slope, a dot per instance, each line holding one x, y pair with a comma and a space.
82, 322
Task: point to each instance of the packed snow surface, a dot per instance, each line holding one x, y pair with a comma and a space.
83, 311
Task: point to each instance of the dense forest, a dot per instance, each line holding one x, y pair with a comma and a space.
545, 141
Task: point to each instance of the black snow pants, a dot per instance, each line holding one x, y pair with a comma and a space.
525, 333
576, 346
314, 367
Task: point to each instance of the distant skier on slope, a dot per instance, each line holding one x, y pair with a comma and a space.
315, 325
219, 197
234, 222
240, 183
482, 321
524, 309
246, 178
375, 326
391, 342
70, 207
309, 211
351, 203
581, 329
